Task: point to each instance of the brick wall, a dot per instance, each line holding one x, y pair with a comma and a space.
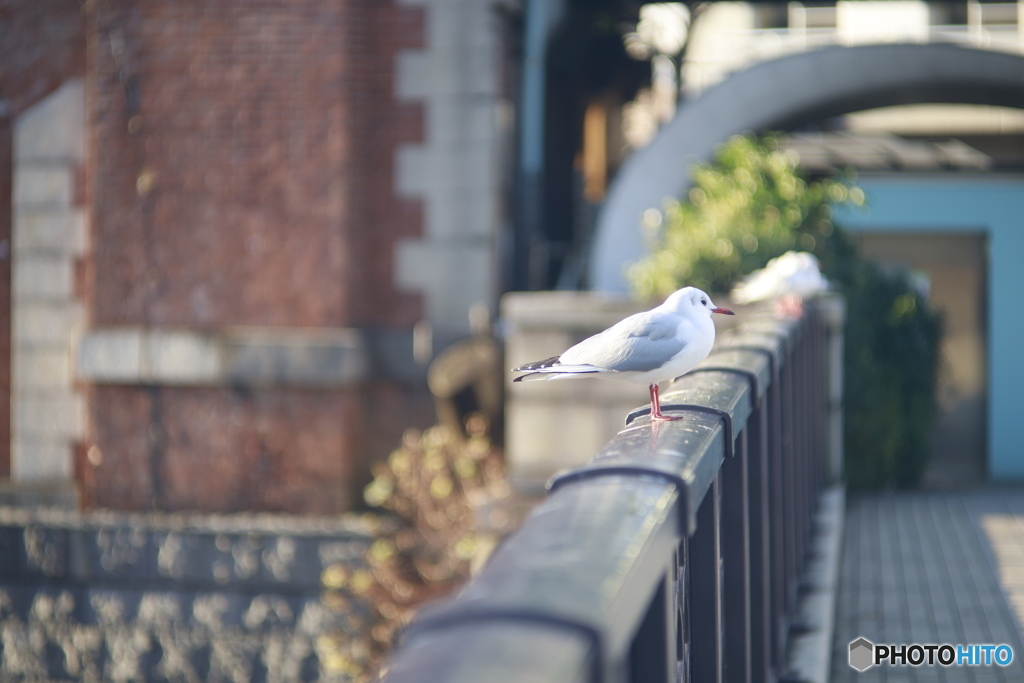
254, 191
239, 172
258, 165
225, 450
386, 122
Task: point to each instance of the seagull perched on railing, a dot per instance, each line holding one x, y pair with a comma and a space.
788, 279
645, 348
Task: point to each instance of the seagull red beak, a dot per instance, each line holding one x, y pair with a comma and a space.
723, 311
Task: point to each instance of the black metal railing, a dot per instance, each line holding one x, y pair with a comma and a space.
675, 555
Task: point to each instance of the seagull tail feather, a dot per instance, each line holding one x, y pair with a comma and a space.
557, 372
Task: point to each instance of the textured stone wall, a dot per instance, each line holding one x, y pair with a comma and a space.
107, 597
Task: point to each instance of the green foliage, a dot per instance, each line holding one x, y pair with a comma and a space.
891, 372
752, 206
748, 208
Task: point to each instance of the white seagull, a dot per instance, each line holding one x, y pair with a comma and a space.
645, 348
795, 272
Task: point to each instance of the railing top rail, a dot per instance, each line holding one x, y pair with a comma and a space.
585, 560
498, 652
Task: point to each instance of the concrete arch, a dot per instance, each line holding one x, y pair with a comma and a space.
782, 94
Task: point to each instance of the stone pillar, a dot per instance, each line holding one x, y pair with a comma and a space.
48, 237
552, 426
456, 171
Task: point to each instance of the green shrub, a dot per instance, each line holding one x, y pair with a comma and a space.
891, 372
752, 206
741, 212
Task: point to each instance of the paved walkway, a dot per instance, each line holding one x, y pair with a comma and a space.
932, 568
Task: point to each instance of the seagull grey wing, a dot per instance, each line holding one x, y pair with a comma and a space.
640, 343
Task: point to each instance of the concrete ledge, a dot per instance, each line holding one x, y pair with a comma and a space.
586, 312
306, 358
54, 493
236, 357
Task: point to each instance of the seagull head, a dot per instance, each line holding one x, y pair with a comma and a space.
690, 300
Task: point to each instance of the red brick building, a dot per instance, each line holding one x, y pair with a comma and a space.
222, 221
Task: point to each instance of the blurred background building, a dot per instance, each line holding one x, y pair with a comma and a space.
921, 101
233, 234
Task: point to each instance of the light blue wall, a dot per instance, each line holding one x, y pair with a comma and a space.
986, 204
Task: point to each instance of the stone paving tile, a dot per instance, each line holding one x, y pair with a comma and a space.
932, 568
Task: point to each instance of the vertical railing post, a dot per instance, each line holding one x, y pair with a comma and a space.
777, 482
803, 397
682, 611
812, 402
652, 657
736, 562
791, 497
821, 398
833, 313
813, 405
818, 402
801, 405
760, 550
706, 618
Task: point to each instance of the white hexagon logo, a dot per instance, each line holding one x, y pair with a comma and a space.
862, 654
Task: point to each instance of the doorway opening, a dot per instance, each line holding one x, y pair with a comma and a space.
954, 267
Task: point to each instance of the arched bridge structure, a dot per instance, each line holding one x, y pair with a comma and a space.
784, 94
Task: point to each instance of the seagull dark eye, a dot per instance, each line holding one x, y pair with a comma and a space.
703, 302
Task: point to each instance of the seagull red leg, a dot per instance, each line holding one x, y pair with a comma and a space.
656, 413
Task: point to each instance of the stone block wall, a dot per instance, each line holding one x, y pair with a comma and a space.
48, 242
108, 596
41, 49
